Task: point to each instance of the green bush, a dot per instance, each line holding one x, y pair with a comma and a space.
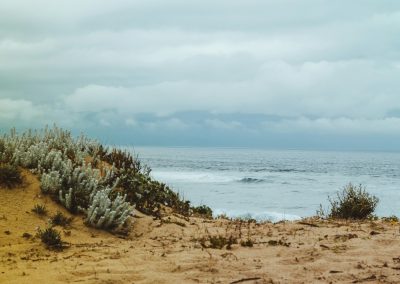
51, 238
40, 209
59, 219
353, 202
203, 211
10, 176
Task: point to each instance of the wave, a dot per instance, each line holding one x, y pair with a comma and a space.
204, 177
192, 177
287, 171
259, 216
251, 180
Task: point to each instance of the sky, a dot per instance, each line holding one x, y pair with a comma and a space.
287, 74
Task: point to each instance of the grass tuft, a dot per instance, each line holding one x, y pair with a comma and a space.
51, 238
59, 219
40, 209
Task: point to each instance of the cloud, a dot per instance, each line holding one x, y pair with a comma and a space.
356, 88
341, 125
130, 122
17, 110
220, 124
330, 66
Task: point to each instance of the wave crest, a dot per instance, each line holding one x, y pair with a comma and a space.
251, 180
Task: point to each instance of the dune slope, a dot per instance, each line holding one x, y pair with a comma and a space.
177, 249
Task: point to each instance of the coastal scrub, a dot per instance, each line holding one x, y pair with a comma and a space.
353, 202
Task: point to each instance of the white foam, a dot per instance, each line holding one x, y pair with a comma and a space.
259, 216
193, 177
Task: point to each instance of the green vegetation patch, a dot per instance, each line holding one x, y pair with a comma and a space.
103, 183
51, 238
59, 219
10, 176
40, 209
353, 202
203, 211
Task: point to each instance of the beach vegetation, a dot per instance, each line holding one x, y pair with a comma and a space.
102, 183
203, 211
391, 219
10, 175
40, 209
59, 219
247, 243
51, 238
353, 202
109, 214
218, 242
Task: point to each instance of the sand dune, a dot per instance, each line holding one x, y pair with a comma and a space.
177, 249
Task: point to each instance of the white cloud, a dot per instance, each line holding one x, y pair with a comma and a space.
341, 125
14, 110
220, 124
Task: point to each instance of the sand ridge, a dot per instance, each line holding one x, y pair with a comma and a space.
176, 249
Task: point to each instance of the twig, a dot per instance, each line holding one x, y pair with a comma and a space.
245, 279
308, 224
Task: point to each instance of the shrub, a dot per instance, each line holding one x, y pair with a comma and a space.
40, 209
86, 177
247, 243
2, 146
51, 238
391, 219
59, 219
218, 242
202, 210
353, 202
109, 214
10, 176
148, 195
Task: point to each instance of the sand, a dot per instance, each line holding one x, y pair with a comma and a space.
176, 249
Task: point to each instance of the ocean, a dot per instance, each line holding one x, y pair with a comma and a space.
273, 185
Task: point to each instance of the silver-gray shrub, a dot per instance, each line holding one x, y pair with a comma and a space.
59, 159
51, 182
111, 214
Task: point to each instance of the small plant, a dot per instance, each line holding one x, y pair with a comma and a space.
218, 242
247, 243
278, 243
203, 211
40, 209
353, 202
59, 219
51, 238
10, 176
391, 219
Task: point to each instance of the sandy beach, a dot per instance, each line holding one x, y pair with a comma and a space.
176, 249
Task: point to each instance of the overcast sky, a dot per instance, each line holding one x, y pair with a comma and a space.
279, 74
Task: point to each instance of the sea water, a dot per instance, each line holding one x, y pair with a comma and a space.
273, 185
